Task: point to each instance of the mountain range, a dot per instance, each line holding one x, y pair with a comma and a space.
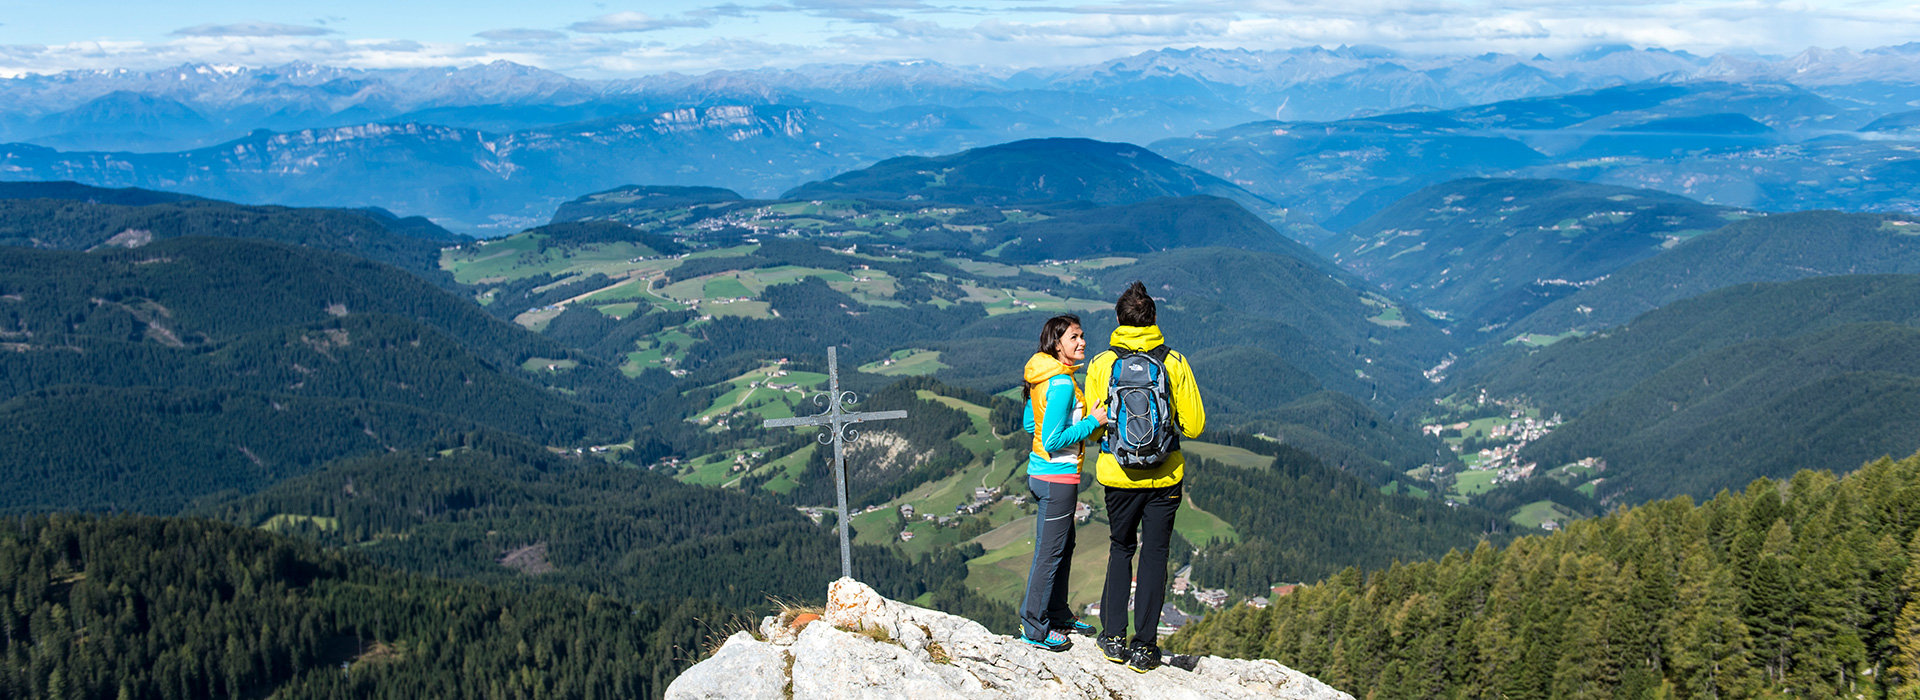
1375, 307
496, 148
1487, 252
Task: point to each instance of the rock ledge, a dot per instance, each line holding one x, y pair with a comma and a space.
873, 647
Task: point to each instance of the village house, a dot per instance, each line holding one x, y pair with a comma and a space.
1212, 597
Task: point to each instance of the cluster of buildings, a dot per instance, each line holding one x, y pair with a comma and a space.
1519, 430
983, 498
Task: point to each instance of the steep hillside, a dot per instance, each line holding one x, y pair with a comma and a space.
1486, 252
1792, 587
1043, 171
779, 279
145, 377
496, 509
1760, 408
160, 607
1350, 339
1776, 248
1149, 226
1324, 169
1353, 524
1710, 106
67, 217
74, 191
1754, 380
1027, 172
606, 204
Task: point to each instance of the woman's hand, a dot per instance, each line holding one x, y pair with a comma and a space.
1100, 414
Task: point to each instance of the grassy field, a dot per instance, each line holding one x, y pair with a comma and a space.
548, 364
1532, 515
1235, 456
1199, 527
709, 470
520, 256
910, 362
752, 395
284, 521
1474, 482
1002, 573
537, 319
1540, 341
788, 469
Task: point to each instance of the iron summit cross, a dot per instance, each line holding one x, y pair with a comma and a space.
837, 434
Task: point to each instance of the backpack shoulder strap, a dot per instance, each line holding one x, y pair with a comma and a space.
1159, 353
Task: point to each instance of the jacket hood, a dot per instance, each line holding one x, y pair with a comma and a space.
1136, 338
1042, 367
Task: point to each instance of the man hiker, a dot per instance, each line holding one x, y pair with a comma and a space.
1152, 401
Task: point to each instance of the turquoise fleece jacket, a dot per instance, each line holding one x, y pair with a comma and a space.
1059, 434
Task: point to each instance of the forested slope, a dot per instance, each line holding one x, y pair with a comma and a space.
1802, 587
141, 607
459, 506
1489, 251
146, 377
1775, 248
1748, 381
1296, 514
78, 220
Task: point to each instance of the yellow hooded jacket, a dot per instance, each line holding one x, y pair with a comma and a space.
1187, 409
1040, 369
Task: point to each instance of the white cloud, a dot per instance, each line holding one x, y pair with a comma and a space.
622, 22
746, 34
251, 29
527, 35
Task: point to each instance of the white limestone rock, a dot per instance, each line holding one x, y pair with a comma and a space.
874, 647
742, 668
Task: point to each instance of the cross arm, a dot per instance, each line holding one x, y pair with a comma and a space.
790, 422
858, 416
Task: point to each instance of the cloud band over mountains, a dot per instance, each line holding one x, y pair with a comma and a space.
590, 39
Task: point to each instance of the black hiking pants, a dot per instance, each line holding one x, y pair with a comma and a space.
1141, 519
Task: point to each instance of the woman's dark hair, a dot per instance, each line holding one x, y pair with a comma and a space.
1135, 307
1053, 330
1050, 334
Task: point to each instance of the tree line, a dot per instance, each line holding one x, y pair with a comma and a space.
1801, 587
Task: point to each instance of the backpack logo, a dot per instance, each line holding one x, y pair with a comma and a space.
1143, 435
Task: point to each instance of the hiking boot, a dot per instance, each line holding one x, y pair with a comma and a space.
1078, 627
1143, 657
1055, 641
1114, 647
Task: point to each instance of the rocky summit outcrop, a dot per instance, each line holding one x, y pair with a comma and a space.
865, 645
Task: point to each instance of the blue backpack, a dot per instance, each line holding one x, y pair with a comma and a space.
1140, 400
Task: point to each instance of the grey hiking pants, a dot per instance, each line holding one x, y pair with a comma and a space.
1045, 606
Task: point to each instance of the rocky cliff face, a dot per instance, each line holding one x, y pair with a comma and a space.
867, 646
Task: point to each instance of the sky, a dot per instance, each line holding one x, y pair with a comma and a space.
586, 39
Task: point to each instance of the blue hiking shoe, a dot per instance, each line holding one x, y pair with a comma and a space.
1055, 641
1078, 627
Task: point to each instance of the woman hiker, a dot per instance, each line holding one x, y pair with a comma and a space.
1058, 420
